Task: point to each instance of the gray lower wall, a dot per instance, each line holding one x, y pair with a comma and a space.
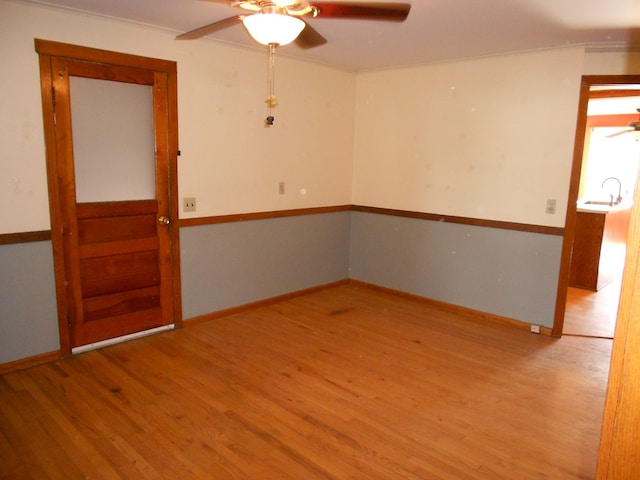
231, 264
503, 272
28, 309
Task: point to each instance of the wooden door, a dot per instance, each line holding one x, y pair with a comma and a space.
619, 457
115, 245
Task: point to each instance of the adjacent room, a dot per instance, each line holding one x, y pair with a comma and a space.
351, 256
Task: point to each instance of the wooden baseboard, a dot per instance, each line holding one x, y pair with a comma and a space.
468, 313
261, 303
28, 362
463, 311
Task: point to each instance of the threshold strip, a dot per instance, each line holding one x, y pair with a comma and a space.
121, 339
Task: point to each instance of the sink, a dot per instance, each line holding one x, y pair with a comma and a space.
598, 202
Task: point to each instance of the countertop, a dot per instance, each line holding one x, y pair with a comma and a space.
585, 207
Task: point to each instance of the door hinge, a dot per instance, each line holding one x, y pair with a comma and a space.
69, 321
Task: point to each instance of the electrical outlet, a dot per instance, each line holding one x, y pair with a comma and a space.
551, 206
281, 188
535, 328
189, 204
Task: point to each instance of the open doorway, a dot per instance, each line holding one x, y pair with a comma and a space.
588, 306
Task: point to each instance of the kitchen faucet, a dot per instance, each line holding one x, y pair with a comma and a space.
619, 199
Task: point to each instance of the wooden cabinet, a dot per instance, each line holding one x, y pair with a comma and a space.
599, 245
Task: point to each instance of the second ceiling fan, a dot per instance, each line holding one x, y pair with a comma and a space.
633, 127
292, 13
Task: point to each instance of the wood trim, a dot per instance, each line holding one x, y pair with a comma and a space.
468, 313
29, 362
76, 52
611, 80
25, 237
478, 222
618, 120
471, 314
614, 93
574, 186
51, 152
570, 215
245, 217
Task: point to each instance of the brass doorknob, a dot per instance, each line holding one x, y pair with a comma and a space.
164, 220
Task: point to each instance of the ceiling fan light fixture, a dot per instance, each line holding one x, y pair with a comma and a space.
268, 28
285, 3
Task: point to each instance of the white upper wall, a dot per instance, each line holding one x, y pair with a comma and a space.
488, 138
612, 63
230, 162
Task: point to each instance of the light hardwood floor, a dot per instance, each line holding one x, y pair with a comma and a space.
344, 383
592, 314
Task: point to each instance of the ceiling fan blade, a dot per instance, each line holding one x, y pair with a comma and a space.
309, 37
255, 5
626, 130
389, 12
211, 28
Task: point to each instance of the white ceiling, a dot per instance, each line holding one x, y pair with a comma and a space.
436, 30
612, 106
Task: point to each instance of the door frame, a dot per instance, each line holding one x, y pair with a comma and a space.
574, 185
48, 50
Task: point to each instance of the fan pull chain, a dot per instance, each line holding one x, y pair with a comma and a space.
271, 100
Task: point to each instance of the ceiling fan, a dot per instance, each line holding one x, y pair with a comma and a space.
307, 36
279, 22
633, 127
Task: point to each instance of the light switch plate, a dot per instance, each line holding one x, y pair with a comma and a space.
551, 206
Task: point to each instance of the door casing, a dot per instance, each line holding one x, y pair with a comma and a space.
574, 185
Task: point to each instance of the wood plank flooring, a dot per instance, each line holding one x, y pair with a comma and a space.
344, 383
590, 313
